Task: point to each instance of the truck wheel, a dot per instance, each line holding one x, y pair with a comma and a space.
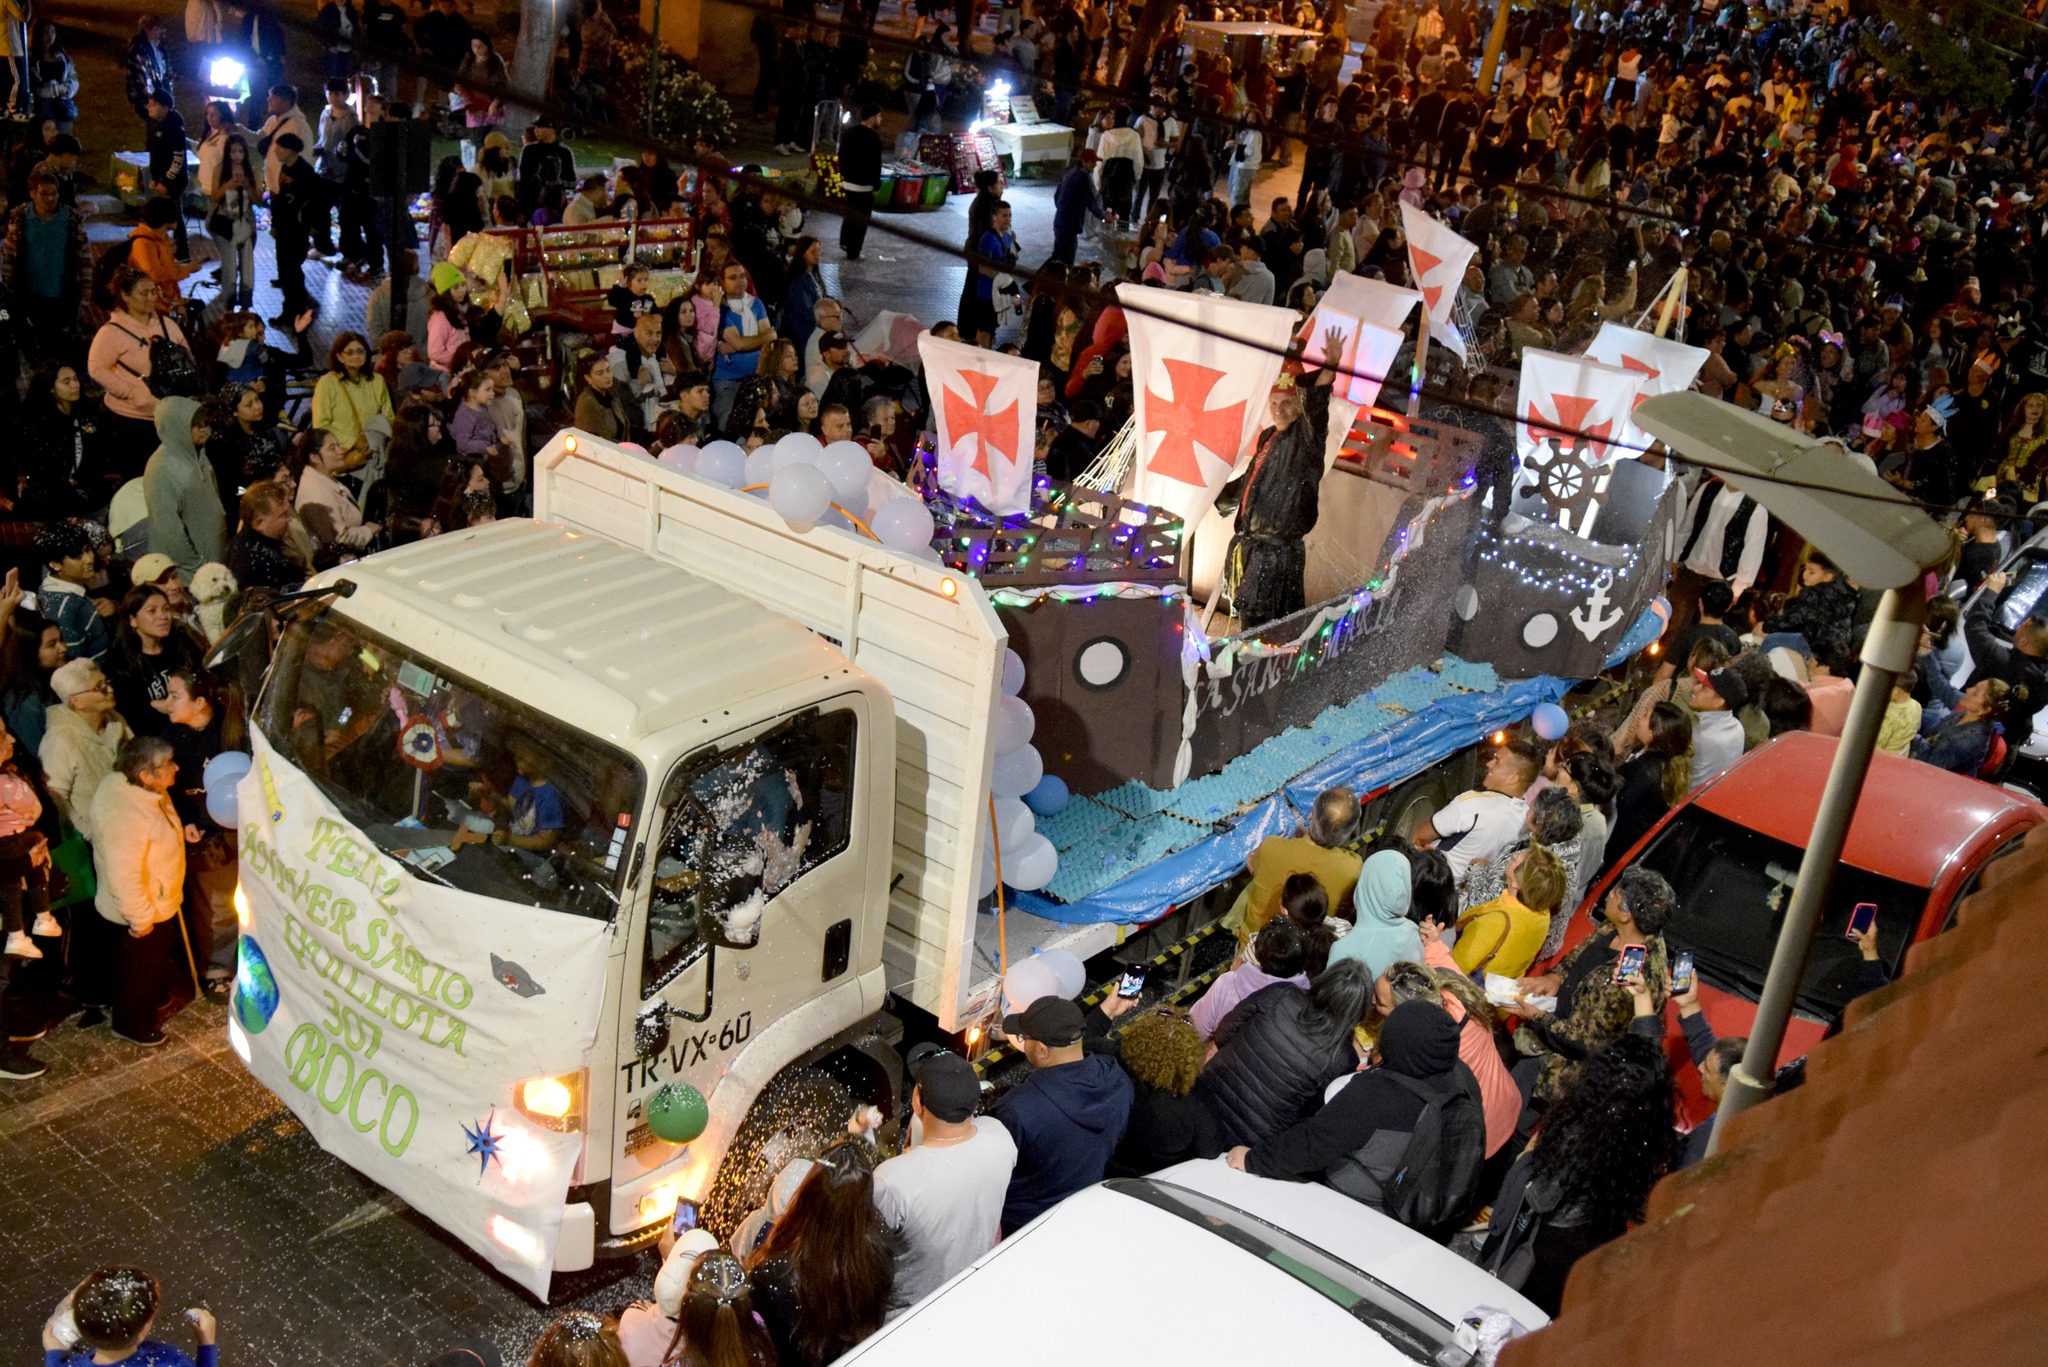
1415, 801
796, 1116
799, 1113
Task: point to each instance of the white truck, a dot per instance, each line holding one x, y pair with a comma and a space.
647, 796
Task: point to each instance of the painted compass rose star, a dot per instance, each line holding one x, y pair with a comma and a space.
485, 1143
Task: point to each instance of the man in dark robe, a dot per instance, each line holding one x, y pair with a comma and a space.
1267, 563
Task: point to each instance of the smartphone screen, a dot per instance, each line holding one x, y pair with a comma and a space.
1132, 984
1629, 968
685, 1218
1861, 919
1682, 971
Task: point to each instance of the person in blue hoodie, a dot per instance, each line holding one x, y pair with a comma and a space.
1381, 934
1067, 1117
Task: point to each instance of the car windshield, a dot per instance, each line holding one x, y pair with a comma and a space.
1411, 1329
471, 788
1733, 887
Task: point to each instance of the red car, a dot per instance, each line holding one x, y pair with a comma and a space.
1918, 844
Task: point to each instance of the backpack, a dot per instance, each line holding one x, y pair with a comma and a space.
173, 373
1439, 1171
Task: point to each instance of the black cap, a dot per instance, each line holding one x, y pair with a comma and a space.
833, 341
946, 1082
292, 141
1729, 685
1052, 1021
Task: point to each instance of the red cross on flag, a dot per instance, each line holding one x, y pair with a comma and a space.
1202, 367
1438, 258
986, 405
1572, 399
1667, 366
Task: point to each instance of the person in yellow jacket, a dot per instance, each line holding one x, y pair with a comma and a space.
138, 859
1503, 936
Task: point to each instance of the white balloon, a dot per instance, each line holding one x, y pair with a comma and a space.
635, 447
1017, 773
680, 457
798, 448
1067, 967
1027, 981
722, 462
1014, 822
984, 877
1014, 724
903, 524
801, 494
760, 465
1033, 867
1013, 672
846, 464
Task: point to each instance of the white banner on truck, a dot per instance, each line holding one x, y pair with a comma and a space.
398, 1018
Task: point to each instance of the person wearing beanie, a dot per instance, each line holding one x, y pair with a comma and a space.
943, 1195
1358, 1139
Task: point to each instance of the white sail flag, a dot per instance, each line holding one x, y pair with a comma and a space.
1371, 315
1573, 401
1438, 258
986, 407
1667, 366
1570, 414
1202, 367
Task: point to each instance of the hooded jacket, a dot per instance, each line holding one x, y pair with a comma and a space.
186, 521
1267, 1074
1356, 1142
1067, 1121
1382, 934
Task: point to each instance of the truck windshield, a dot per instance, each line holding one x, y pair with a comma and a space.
1733, 887
471, 788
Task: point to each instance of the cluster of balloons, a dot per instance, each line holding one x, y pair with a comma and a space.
1029, 860
1047, 973
802, 479
223, 780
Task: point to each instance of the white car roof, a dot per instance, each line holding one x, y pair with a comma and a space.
1105, 1268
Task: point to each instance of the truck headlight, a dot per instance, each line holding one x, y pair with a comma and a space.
554, 1103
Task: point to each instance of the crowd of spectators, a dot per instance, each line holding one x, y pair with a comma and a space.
1860, 265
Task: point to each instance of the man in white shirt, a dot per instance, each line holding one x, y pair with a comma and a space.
283, 108
1481, 824
1717, 736
943, 1196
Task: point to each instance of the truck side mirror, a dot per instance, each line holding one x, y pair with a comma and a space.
650, 1030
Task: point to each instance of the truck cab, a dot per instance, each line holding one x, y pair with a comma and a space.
1918, 843
534, 733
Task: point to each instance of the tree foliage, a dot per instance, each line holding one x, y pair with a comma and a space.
1951, 51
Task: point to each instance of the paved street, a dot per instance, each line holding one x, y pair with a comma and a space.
177, 1160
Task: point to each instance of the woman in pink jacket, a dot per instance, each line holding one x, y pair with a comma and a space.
119, 363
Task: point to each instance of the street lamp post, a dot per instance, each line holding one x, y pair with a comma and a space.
1880, 540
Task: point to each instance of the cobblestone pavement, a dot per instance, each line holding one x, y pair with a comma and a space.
179, 1161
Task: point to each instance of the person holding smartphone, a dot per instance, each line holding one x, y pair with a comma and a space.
1595, 1002
107, 1319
